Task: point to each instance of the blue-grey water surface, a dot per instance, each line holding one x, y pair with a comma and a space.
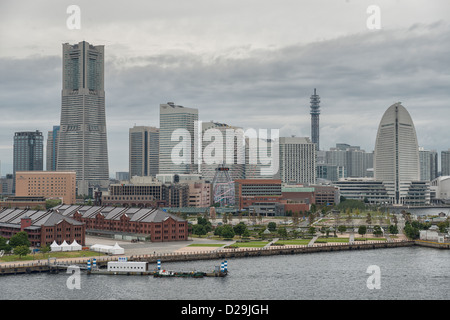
406, 273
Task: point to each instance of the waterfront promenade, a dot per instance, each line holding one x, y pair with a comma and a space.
175, 251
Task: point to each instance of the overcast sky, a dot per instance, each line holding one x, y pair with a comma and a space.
248, 63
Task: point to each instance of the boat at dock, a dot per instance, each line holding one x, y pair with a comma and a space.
125, 267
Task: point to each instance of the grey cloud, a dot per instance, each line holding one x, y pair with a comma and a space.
358, 77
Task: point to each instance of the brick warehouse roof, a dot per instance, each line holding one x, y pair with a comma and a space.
12, 218
114, 213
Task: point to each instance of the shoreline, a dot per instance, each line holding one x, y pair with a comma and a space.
211, 254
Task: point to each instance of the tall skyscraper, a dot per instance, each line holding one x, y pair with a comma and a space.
445, 163
52, 148
234, 146
425, 164
82, 142
433, 165
315, 113
144, 151
28, 151
355, 161
176, 139
297, 160
396, 157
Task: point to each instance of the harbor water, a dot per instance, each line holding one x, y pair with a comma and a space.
407, 273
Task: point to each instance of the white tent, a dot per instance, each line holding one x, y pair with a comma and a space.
116, 249
75, 246
65, 246
55, 247
100, 248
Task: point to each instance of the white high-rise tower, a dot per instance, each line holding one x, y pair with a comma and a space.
396, 156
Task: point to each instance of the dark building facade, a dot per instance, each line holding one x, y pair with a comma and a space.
28, 151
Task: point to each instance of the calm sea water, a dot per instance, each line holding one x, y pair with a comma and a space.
405, 273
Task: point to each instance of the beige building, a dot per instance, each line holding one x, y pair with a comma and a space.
48, 184
200, 195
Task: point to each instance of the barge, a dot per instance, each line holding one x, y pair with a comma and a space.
124, 267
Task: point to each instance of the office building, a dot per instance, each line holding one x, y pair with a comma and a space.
356, 162
445, 163
434, 170
143, 151
228, 149
297, 160
251, 191
52, 148
176, 139
47, 184
7, 185
28, 151
261, 162
82, 145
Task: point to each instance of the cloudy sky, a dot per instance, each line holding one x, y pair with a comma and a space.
248, 63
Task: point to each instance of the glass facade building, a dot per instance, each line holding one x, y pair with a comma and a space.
82, 145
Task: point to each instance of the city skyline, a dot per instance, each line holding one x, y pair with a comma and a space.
241, 79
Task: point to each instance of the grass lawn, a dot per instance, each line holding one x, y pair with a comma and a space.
370, 239
333, 239
42, 256
293, 242
206, 245
251, 244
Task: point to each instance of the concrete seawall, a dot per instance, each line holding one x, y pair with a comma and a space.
431, 244
270, 251
44, 266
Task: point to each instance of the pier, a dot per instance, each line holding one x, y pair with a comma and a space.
54, 266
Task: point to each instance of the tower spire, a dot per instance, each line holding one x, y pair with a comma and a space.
315, 112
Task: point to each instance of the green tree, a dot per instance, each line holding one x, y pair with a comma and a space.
282, 232
199, 229
4, 245
377, 231
239, 229
227, 231
393, 229
20, 239
362, 230
369, 218
411, 231
311, 218
205, 223
21, 250
342, 229
45, 249
218, 231
50, 203
272, 226
312, 230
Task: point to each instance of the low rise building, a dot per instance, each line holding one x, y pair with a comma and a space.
42, 227
152, 223
252, 191
48, 184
